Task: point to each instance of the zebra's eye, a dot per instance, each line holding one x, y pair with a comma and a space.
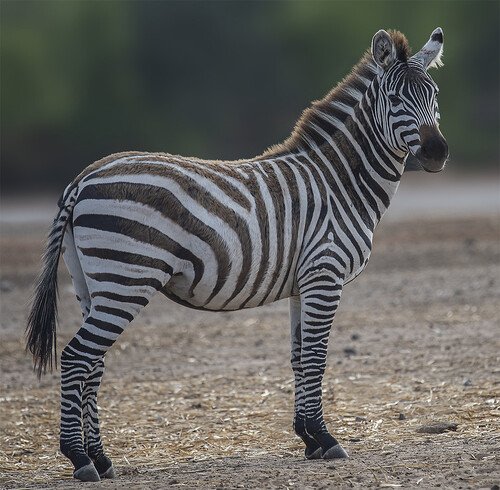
394, 99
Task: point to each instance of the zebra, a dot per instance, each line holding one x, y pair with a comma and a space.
296, 222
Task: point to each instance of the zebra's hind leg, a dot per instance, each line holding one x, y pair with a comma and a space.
84, 466
113, 306
74, 372
91, 434
100, 465
81, 371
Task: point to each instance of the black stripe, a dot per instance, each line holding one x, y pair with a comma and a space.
263, 222
85, 350
125, 280
138, 300
329, 307
127, 258
437, 37
105, 326
115, 312
279, 210
84, 334
292, 190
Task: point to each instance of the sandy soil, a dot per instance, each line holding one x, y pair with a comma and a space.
197, 400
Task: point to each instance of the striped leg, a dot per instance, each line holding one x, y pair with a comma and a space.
82, 366
313, 449
80, 363
92, 441
91, 435
74, 371
116, 300
318, 306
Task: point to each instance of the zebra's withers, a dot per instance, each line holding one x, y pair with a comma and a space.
296, 222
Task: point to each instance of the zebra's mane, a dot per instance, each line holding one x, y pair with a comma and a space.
338, 102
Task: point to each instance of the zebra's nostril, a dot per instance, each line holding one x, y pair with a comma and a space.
434, 149
425, 151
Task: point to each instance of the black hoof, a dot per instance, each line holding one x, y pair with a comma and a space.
109, 473
335, 452
87, 473
104, 466
314, 454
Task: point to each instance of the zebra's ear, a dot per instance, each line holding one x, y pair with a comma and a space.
430, 55
383, 49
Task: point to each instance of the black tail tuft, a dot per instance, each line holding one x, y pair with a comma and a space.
41, 328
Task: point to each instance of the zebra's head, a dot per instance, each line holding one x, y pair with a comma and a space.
406, 107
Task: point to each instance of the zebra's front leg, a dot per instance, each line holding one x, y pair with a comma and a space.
91, 435
313, 449
318, 306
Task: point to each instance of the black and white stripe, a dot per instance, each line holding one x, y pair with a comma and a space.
295, 223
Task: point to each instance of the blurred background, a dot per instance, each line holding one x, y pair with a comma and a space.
215, 79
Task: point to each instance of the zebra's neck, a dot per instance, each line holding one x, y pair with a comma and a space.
339, 134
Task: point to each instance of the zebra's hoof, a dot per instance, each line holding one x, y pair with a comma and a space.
109, 473
335, 452
315, 454
87, 473
104, 466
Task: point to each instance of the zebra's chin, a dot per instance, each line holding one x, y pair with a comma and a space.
429, 165
428, 170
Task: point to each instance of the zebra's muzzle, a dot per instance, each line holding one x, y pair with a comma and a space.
433, 151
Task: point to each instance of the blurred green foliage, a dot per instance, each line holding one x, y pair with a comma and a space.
215, 79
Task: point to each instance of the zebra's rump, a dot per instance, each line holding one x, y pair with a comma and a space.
204, 234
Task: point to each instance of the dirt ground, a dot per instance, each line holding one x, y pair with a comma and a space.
199, 400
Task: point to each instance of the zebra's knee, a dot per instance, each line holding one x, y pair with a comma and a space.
69, 357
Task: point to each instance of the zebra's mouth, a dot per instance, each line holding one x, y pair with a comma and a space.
433, 171
431, 165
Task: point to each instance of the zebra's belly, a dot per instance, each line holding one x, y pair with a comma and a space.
179, 289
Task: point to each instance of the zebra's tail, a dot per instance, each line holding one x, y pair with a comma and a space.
42, 320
